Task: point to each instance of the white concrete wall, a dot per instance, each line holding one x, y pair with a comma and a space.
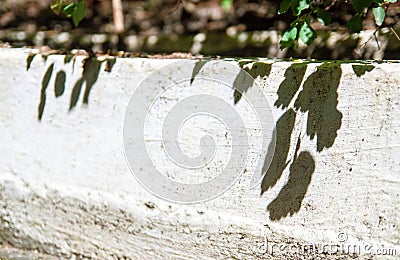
66, 189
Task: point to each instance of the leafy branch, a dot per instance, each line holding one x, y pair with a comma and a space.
75, 10
306, 10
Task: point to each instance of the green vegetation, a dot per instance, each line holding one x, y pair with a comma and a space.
75, 10
304, 11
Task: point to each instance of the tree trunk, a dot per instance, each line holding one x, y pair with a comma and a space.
118, 16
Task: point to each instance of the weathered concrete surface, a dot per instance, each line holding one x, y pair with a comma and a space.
66, 190
9, 252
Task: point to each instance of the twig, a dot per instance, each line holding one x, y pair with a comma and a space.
376, 39
330, 5
395, 33
364, 45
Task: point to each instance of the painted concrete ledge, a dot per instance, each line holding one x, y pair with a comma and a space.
66, 189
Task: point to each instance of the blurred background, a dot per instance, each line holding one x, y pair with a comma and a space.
244, 29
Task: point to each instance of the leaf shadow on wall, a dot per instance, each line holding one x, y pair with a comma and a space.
319, 98
91, 69
242, 81
290, 85
45, 84
197, 68
90, 74
282, 132
242, 84
292, 194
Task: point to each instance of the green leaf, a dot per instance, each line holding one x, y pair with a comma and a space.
79, 12
307, 34
285, 5
290, 34
390, 1
288, 38
360, 5
300, 6
379, 14
68, 10
226, 4
355, 23
56, 6
323, 16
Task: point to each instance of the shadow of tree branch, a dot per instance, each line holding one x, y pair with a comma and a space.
320, 99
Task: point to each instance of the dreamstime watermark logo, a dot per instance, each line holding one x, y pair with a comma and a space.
192, 128
339, 247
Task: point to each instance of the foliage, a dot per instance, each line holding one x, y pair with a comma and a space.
75, 10
226, 4
307, 10
304, 11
